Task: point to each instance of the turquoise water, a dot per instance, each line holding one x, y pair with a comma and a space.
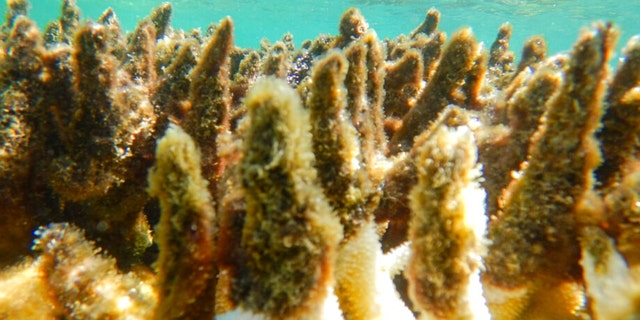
559, 21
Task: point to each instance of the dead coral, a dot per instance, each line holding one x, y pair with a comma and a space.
620, 121
337, 152
210, 100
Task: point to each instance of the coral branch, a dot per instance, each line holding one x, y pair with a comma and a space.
457, 60
210, 100
335, 145
500, 56
621, 120
186, 267
290, 234
534, 236
446, 227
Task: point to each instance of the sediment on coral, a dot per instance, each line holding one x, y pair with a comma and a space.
170, 174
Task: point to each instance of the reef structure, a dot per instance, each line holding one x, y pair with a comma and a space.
168, 174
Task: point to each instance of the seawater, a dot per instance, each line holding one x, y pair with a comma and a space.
559, 21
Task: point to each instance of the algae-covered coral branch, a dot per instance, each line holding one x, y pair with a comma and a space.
534, 242
456, 62
290, 233
185, 232
338, 179
447, 226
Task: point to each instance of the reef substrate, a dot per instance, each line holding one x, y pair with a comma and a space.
166, 174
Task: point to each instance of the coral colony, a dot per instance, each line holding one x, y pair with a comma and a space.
164, 174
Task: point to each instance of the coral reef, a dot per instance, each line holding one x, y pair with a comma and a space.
168, 174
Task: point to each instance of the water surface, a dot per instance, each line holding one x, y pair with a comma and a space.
558, 20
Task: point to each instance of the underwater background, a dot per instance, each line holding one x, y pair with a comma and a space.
558, 20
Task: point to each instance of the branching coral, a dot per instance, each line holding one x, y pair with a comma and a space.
174, 175
71, 278
447, 225
185, 232
290, 233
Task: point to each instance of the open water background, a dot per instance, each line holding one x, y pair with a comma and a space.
559, 21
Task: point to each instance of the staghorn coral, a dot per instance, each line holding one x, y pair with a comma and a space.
326, 186
500, 56
24, 48
209, 98
619, 123
524, 110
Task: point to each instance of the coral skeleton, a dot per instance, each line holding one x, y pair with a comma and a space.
169, 174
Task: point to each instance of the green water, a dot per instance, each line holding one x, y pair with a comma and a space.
559, 21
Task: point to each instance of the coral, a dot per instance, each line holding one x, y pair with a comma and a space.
15, 133
356, 267
71, 278
500, 56
170, 174
523, 112
337, 152
429, 25
210, 99
568, 127
290, 234
456, 62
611, 285
352, 26
185, 234
619, 123
534, 242
447, 225
534, 50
